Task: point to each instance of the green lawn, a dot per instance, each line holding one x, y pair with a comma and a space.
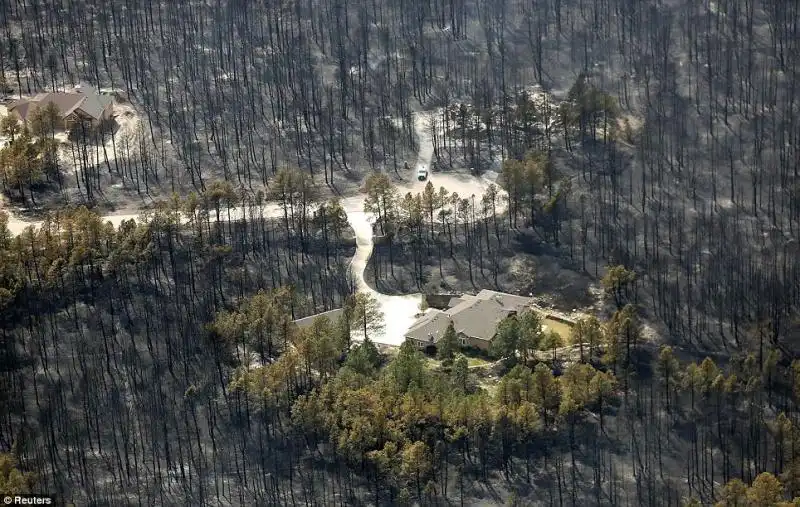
562, 329
475, 362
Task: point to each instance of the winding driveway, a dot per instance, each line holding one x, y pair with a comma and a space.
399, 311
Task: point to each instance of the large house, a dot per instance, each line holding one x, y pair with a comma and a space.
81, 106
475, 319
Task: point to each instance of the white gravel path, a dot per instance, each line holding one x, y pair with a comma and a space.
399, 311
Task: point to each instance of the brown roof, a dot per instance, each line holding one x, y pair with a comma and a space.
66, 103
21, 107
84, 99
475, 316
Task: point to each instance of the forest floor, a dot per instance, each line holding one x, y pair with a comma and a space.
125, 135
521, 269
463, 183
125, 132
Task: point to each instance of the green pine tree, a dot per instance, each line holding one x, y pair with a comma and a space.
448, 345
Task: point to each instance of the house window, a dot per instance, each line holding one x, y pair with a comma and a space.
463, 341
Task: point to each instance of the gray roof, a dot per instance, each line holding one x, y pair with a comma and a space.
474, 316
508, 300
430, 327
455, 300
332, 315
93, 103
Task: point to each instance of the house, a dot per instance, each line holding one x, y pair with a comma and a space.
81, 106
475, 319
332, 315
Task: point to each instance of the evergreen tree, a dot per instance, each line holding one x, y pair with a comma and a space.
506, 339
12, 480
408, 367
616, 283
552, 341
530, 334
765, 491
447, 345
460, 374
364, 358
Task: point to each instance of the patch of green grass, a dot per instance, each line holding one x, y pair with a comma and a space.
432, 363
564, 330
474, 361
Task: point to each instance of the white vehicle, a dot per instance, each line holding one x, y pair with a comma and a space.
422, 173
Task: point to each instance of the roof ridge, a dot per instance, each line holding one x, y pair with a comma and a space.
75, 106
